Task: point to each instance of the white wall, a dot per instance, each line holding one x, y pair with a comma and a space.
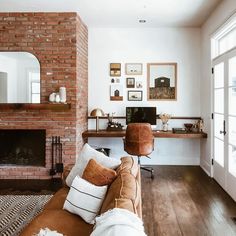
116, 45
217, 18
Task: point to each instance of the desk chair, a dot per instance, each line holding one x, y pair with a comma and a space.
139, 141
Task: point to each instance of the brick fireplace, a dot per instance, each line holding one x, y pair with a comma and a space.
59, 41
21, 147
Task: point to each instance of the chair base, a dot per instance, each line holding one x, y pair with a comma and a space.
149, 169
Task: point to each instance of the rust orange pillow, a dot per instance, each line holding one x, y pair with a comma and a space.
98, 174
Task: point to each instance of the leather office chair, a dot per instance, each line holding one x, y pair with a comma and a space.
139, 141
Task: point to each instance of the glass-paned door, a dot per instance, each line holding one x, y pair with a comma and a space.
219, 121
224, 122
231, 146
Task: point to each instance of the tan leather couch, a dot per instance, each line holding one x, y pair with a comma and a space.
124, 192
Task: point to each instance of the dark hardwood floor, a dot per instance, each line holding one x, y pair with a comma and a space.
183, 200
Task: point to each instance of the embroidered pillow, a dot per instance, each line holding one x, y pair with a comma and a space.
85, 199
98, 174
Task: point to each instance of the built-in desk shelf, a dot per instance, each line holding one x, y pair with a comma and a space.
157, 116
156, 134
35, 106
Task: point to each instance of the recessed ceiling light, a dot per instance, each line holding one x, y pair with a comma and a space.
142, 21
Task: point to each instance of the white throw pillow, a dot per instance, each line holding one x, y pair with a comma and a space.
85, 199
86, 154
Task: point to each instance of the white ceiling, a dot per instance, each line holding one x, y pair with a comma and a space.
123, 13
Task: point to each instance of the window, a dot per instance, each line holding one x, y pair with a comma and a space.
35, 92
225, 38
34, 86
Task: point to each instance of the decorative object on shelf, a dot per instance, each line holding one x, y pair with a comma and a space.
161, 81
115, 69
113, 125
179, 130
57, 98
112, 80
117, 80
139, 84
188, 127
130, 82
133, 68
57, 165
201, 125
135, 95
62, 93
165, 118
116, 92
195, 128
97, 112
52, 97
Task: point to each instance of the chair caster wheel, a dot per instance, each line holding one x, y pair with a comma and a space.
152, 174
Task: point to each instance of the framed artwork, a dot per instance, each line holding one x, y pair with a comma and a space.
133, 68
139, 84
135, 95
161, 81
116, 92
130, 82
115, 69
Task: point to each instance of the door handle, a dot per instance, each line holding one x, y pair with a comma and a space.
223, 132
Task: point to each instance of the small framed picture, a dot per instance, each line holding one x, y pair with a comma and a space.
139, 84
135, 95
115, 69
130, 82
133, 68
116, 92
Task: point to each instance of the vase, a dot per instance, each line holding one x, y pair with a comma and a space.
52, 97
57, 99
165, 126
62, 92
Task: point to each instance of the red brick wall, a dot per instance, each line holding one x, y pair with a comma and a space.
59, 41
82, 85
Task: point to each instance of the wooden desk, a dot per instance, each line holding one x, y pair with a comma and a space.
156, 134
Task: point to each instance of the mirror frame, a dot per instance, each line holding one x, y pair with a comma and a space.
27, 78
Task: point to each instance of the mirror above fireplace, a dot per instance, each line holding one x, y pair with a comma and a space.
19, 78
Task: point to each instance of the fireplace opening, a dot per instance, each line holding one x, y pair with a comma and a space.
22, 147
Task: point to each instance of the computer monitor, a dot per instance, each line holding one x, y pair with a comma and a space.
141, 115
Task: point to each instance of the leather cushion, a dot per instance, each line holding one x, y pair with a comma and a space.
60, 220
58, 199
98, 174
125, 186
128, 164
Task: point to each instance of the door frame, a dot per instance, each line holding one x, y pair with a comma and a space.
225, 59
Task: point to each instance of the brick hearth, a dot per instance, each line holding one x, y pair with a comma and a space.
59, 41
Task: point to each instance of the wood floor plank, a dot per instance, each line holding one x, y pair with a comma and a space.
147, 208
183, 200
164, 217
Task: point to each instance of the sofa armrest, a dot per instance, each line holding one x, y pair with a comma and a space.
66, 172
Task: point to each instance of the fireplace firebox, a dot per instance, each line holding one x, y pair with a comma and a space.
22, 147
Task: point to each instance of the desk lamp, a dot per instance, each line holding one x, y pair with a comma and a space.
97, 112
